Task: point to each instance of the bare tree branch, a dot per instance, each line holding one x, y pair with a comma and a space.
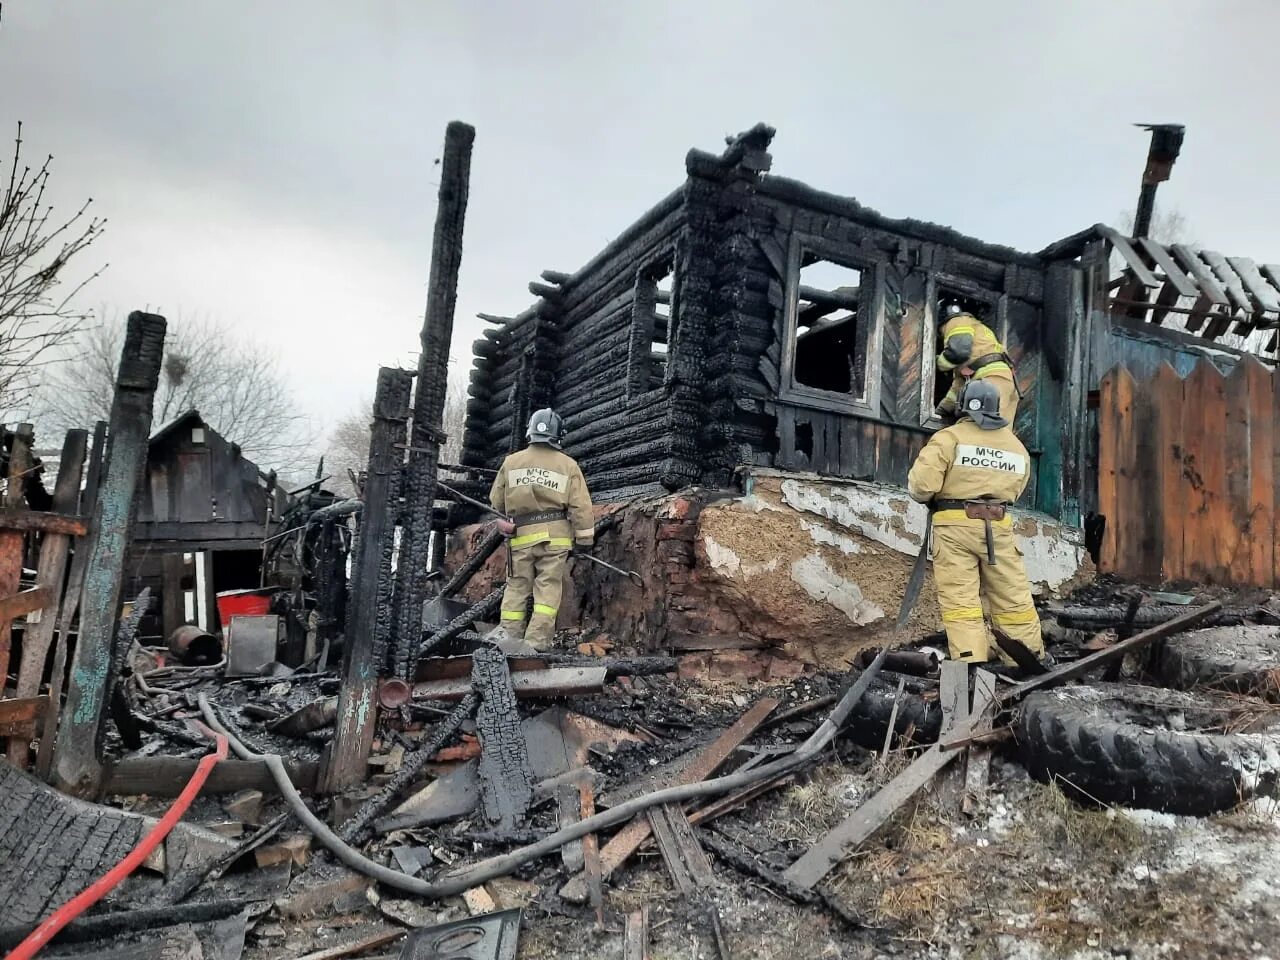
36, 312
236, 384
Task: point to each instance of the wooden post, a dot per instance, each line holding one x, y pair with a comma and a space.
429, 396
70, 607
76, 766
12, 541
368, 609
172, 597
50, 574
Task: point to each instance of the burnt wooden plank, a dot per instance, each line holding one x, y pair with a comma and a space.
1230, 282
978, 761
953, 697
1165, 390
554, 682
76, 764
627, 840
1133, 260
1211, 296
20, 717
506, 778
635, 935
1079, 668
167, 776
685, 860
1263, 296
24, 602
34, 521
1205, 281
1173, 273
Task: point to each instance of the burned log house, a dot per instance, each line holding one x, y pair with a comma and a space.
750, 321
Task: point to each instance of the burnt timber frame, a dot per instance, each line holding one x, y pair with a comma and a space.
727, 397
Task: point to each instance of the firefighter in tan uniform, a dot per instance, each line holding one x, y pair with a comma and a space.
545, 494
970, 351
969, 473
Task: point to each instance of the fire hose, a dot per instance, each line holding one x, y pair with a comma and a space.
74, 907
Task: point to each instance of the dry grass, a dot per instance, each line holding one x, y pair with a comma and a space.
1048, 807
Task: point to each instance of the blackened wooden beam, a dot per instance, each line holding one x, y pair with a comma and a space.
77, 766
369, 602
429, 396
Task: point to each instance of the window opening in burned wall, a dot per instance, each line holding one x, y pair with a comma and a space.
943, 296
655, 315
832, 346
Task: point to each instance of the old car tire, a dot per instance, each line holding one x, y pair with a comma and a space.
1243, 659
1148, 747
918, 716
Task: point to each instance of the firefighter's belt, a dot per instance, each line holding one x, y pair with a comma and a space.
975, 509
988, 511
543, 516
987, 359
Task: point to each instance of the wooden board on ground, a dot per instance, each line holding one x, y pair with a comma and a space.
684, 857
627, 840
635, 935
1079, 668
529, 684
166, 776
953, 697
978, 761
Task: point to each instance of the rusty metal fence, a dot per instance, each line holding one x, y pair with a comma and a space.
1189, 475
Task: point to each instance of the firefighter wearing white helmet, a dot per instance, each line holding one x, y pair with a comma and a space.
969, 473
971, 351
544, 492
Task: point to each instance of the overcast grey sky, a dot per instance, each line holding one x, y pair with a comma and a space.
269, 164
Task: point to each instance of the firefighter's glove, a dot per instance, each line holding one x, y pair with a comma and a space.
580, 546
506, 527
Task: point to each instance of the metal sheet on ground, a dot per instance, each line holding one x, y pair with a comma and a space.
493, 936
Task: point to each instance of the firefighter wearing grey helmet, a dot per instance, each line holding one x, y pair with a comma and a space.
969, 473
971, 351
544, 492
545, 426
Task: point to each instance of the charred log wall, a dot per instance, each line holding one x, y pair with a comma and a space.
586, 349
744, 231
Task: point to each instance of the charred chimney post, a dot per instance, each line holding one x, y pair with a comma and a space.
369, 604
429, 397
1166, 143
77, 766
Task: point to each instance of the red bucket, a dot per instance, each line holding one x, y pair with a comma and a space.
243, 603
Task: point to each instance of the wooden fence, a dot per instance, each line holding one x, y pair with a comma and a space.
1189, 475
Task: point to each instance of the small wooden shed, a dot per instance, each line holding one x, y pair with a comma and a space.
203, 512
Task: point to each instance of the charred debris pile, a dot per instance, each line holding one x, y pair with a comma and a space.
364, 769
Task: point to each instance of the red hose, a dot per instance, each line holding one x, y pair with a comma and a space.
73, 908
